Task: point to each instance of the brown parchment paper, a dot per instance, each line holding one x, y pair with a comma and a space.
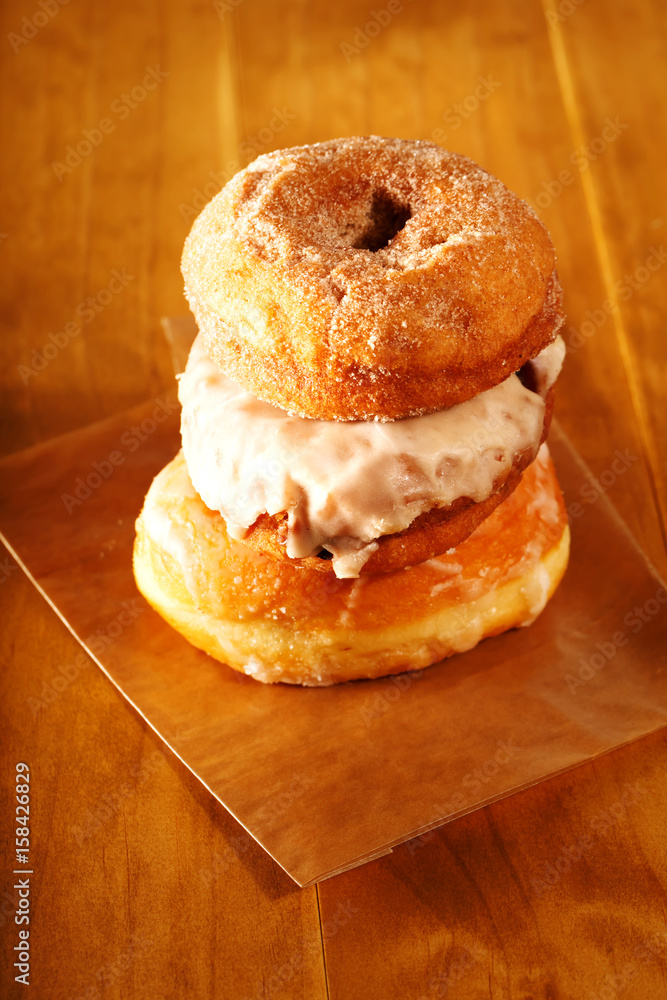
326, 779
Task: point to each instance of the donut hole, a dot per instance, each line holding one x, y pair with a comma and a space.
386, 219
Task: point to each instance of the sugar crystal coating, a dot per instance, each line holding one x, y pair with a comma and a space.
368, 278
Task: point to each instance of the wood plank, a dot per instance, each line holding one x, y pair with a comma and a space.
119, 208
604, 64
143, 886
142, 882
555, 892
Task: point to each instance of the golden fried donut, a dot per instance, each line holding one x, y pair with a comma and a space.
370, 279
266, 618
376, 496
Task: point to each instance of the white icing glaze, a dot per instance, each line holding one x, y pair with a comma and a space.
344, 485
548, 363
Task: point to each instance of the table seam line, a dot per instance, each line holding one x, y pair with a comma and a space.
324, 960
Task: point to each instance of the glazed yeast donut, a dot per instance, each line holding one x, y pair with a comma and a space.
370, 279
363, 486
359, 497
275, 622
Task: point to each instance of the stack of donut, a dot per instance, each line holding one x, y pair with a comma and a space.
363, 487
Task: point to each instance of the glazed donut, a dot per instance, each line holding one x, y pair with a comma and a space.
370, 279
363, 497
429, 534
265, 618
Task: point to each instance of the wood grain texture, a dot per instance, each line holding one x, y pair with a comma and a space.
604, 64
556, 892
134, 860
144, 888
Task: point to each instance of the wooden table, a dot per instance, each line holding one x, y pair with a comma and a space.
118, 122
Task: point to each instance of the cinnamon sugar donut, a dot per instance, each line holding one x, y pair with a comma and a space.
370, 279
265, 618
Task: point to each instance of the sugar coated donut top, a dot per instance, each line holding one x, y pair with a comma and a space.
370, 278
